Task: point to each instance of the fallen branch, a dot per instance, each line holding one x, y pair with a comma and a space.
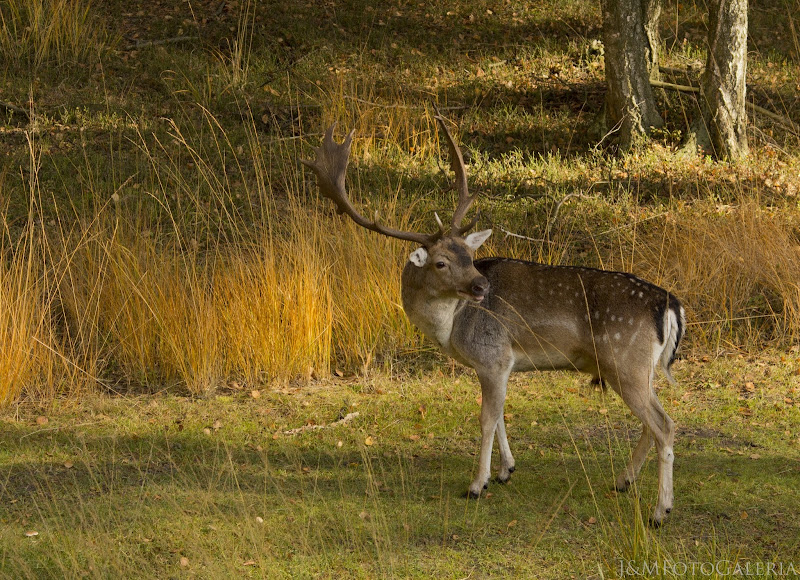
347, 418
780, 119
138, 44
400, 106
15, 109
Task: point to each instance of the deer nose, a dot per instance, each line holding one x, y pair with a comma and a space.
480, 287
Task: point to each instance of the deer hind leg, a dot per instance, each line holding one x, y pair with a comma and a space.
631, 471
493, 392
657, 426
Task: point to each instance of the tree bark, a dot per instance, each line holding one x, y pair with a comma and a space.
630, 104
724, 87
652, 15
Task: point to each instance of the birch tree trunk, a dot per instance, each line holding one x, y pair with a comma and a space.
652, 14
630, 104
724, 87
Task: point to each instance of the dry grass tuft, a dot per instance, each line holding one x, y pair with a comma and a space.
736, 268
38, 32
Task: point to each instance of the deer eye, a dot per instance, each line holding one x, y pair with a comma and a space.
440, 265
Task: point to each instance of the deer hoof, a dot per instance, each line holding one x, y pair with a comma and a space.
654, 523
622, 486
472, 495
505, 477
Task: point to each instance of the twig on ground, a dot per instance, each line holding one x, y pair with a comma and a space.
346, 419
521, 237
139, 44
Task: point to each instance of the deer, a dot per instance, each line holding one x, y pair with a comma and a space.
500, 315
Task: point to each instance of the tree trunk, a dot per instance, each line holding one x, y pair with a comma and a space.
652, 15
630, 104
724, 86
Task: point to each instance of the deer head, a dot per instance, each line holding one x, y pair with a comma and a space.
445, 257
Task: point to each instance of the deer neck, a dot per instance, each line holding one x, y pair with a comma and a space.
431, 314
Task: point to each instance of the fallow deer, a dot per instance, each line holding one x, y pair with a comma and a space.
500, 315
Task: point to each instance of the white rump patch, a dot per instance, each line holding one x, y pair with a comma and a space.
476, 239
419, 257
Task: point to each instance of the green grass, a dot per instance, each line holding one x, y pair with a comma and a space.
243, 486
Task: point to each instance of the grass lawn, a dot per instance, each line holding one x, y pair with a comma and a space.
268, 483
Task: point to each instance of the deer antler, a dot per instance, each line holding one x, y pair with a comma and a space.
331, 167
457, 165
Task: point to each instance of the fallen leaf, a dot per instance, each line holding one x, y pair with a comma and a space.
31, 533
184, 561
249, 563
744, 515
259, 519
42, 420
512, 523
217, 424
750, 387
414, 437
603, 411
363, 515
68, 464
591, 521
255, 393
207, 431
339, 443
755, 456
369, 440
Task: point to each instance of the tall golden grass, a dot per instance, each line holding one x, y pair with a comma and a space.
38, 32
110, 300
289, 291
737, 268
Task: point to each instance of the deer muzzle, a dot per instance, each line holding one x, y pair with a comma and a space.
479, 288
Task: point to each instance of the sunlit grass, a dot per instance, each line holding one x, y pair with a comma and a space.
34, 33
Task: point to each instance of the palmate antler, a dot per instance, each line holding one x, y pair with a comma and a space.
330, 166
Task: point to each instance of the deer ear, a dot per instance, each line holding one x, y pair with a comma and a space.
475, 240
419, 257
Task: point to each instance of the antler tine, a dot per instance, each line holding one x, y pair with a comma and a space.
457, 165
330, 167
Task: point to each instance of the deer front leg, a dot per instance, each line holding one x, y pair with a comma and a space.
506, 459
493, 391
